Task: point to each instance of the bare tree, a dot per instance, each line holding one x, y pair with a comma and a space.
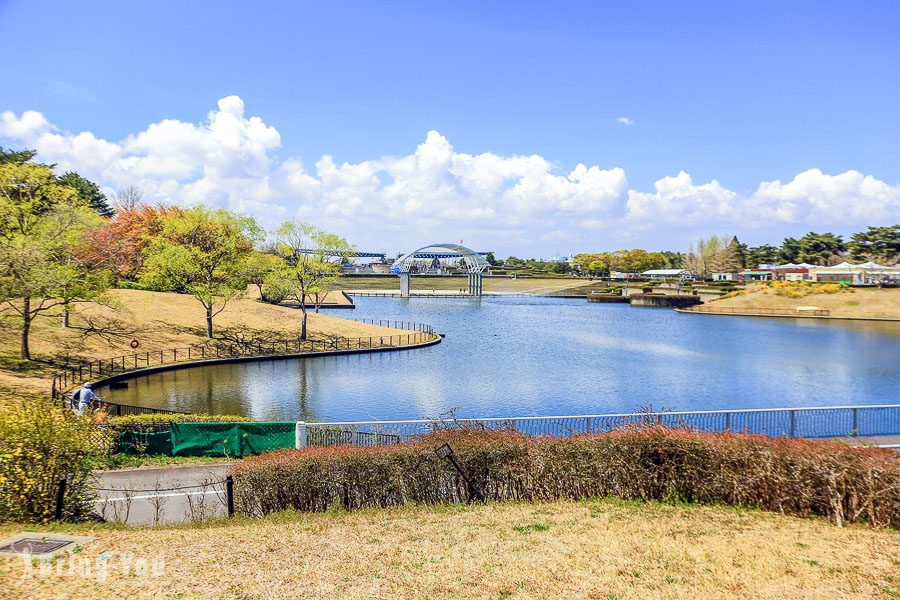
128, 198
158, 502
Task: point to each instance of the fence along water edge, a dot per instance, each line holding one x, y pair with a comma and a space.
808, 422
69, 378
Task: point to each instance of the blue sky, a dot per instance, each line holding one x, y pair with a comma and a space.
733, 96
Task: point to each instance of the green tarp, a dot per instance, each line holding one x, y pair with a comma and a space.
144, 443
230, 439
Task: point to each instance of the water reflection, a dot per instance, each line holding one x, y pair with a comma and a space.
539, 356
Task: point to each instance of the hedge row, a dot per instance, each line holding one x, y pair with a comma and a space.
169, 418
793, 476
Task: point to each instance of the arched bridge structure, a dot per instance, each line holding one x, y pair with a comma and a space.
475, 263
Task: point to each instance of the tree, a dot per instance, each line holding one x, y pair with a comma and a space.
514, 262
713, 255
790, 250
597, 268
737, 255
17, 157
259, 267
878, 244
582, 262
202, 252
731, 258
89, 192
312, 263
121, 242
561, 268
820, 248
43, 223
761, 255
491, 260
129, 198
673, 259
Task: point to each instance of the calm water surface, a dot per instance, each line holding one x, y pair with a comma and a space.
509, 356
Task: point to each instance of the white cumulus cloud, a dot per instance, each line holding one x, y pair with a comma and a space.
435, 192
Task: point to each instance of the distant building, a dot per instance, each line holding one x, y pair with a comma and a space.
756, 275
866, 273
724, 276
793, 272
567, 260
668, 274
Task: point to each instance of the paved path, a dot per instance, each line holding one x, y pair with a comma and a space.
874, 440
144, 496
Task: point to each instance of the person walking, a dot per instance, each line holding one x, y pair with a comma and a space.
82, 398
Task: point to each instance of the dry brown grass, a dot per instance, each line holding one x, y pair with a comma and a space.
597, 549
158, 320
849, 302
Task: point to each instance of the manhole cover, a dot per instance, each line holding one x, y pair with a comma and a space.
35, 546
40, 546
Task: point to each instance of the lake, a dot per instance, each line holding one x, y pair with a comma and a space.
524, 356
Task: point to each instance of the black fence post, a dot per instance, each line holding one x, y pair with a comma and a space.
229, 494
60, 498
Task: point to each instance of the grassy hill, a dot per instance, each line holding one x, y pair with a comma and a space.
840, 301
158, 320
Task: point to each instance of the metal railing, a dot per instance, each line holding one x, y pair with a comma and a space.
102, 369
114, 409
774, 312
396, 324
810, 422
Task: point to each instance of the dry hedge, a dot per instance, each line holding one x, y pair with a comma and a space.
792, 476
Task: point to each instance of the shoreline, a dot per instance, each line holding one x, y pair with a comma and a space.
790, 316
257, 358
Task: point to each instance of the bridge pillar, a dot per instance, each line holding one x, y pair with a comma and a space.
475, 284
404, 285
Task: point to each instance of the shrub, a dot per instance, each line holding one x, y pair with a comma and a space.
40, 443
801, 289
731, 294
794, 476
128, 421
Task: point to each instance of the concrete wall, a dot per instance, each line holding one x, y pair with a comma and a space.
664, 301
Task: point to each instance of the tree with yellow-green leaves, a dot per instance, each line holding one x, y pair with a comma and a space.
312, 263
202, 252
44, 226
259, 268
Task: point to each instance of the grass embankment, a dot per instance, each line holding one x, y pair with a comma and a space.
158, 320
839, 301
590, 549
521, 285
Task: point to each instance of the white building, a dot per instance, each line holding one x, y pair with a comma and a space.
724, 276
861, 274
668, 274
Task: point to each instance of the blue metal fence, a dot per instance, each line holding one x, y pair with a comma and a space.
809, 422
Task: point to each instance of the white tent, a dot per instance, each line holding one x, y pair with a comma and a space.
867, 272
